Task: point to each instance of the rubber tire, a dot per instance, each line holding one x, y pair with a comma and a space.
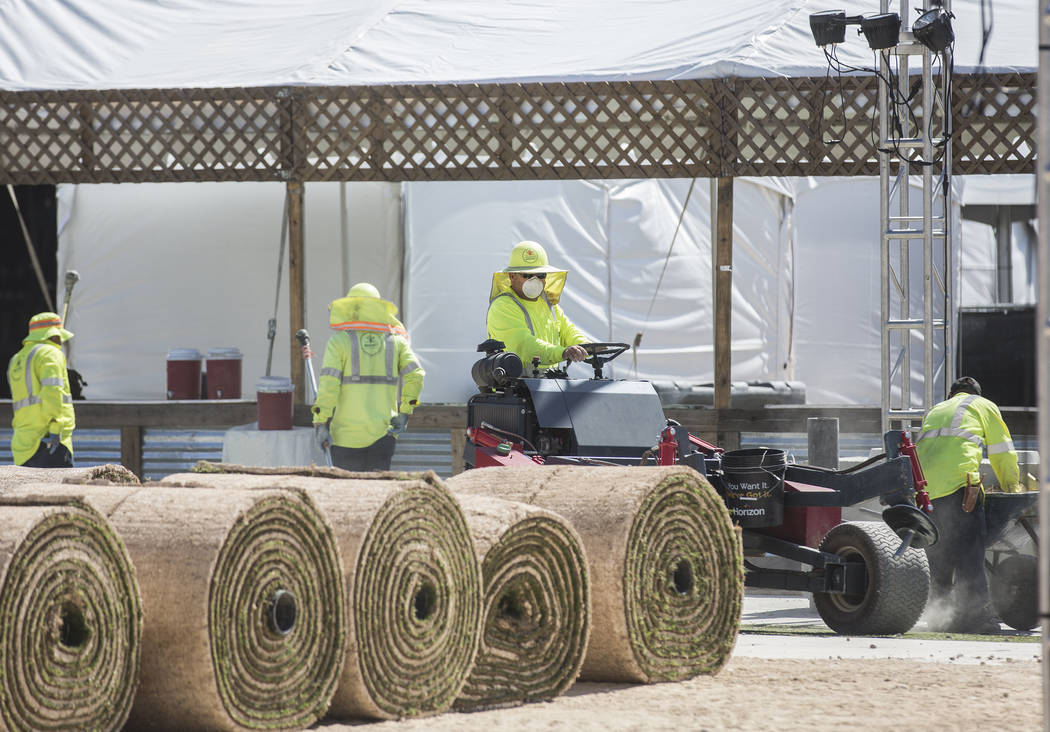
1012, 584
896, 591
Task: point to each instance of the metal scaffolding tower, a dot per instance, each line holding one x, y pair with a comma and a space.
917, 269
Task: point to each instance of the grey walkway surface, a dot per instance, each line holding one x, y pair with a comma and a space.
797, 611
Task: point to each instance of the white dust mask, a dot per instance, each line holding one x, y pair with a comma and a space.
532, 287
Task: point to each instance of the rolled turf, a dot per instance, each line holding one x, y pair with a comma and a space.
412, 579
243, 600
536, 604
665, 562
70, 619
15, 475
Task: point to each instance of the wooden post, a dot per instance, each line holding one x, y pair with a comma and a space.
822, 436
722, 259
296, 287
459, 443
131, 449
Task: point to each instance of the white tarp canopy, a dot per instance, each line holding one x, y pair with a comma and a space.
86, 44
195, 265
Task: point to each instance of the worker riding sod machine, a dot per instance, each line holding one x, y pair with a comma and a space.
867, 577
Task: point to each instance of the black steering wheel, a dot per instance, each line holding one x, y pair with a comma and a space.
600, 354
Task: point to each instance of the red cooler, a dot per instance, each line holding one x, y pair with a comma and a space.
224, 373
274, 396
184, 373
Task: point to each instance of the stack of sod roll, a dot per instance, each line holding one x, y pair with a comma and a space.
15, 475
536, 604
665, 562
242, 595
413, 585
70, 618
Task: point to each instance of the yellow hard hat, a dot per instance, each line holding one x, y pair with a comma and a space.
363, 289
43, 326
528, 257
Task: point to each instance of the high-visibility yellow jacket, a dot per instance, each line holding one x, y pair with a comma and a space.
954, 434
532, 328
369, 373
40, 397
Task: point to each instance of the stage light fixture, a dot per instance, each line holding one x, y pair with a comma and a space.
881, 29
933, 29
828, 26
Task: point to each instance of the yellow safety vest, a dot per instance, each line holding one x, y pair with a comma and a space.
40, 398
532, 328
369, 373
955, 434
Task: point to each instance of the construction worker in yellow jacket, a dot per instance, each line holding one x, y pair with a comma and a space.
954, 435
524, 312
40, 397
370, 381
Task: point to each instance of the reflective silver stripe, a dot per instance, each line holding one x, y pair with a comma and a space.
952, 432
369, 380
67, 399
960, 411
332, 372
1007, 446
956, 430
32, 398
52, 382
355, 377
409, 368
528, 320
355, 357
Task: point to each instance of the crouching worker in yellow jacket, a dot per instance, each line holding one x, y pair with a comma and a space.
43, 406
370, 382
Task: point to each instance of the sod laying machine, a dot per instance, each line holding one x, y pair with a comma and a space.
867, 577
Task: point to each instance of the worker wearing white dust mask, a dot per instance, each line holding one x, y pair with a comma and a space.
524, 311
369, 384
40, 398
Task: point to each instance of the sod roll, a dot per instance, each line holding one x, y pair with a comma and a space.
536, 604
665, 562
413, 587
12, 476
70, 619
242, 593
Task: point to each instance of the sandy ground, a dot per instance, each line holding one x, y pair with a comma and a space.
790, 682
783, 695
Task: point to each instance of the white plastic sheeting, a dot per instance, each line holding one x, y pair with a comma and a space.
87, 44
838, 290
614, 238
178, 265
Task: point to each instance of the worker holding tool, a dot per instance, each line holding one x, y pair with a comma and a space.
524, 311
369, 384
43, 406
954, 434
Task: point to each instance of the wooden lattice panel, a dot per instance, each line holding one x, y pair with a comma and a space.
682, 129
995, 125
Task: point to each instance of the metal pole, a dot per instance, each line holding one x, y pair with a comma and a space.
1043, 346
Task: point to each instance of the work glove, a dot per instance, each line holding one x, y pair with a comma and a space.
52, 442
322, 436
398, 424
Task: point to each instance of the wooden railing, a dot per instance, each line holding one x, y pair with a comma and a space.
720, 426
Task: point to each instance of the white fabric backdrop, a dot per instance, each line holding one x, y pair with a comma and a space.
613, 237
194, 265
